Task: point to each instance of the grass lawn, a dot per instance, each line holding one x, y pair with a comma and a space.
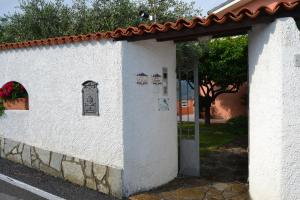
216, 135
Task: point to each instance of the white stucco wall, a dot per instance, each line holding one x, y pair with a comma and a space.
274, 169
130, 133
150, 135
53, 76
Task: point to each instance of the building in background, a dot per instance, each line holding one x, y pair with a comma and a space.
225, 107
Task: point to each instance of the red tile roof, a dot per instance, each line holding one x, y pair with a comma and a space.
268, 6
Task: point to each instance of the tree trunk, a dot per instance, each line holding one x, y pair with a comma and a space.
207, 115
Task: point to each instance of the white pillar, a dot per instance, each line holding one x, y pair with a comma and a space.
274, 103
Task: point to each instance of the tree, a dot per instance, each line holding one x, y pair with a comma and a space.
39, 19
109, 15
171, 10
223, 67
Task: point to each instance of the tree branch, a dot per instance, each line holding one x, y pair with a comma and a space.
189, 83
202, 90
234, 89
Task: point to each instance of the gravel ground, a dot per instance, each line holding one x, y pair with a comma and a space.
49, 184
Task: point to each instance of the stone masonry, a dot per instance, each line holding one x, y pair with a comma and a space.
81, 172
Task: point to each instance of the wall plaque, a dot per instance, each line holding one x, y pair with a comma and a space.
163, 104
90, 99
297, 60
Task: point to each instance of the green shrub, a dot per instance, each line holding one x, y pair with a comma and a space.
238, 122
1, 108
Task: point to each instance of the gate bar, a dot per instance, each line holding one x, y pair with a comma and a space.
196, 112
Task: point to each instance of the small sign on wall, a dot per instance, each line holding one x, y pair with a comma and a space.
297, 60
163, 104
165, 81
142, 79
90, 99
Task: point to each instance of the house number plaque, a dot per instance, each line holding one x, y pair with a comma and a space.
90, 99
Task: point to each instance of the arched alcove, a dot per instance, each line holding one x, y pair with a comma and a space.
14, 96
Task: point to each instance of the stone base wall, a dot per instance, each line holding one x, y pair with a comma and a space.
81, 172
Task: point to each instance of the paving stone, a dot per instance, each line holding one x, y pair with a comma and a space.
49, 170
73, 172
36, 163
14, 151
20, 148
9, 146
146, 197
69, 158
33, 154
91, 183
103, 188
88, 168
115, 181
220, 186
26, 157
43, 155
213, 194
15, 158
166, 195
56, 160
99, 171
244, 196
234, 190
239, 188
193, 193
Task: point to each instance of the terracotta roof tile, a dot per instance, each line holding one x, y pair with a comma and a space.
268, 6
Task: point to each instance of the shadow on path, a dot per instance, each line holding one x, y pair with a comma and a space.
224, 174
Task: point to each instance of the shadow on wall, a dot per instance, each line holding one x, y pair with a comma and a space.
228, 106
263, 40
14, 96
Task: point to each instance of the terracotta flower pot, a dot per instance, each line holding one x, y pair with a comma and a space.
16, 104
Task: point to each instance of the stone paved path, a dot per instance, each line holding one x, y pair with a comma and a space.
224, 177
198, 190
228, 163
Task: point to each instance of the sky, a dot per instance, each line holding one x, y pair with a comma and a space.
10, 5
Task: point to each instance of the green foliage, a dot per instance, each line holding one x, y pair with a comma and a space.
2, 108
216, 135
225, 62
223, 67
109, 15
222, 61
39, 19
238, 122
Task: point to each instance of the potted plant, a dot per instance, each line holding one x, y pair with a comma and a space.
2, 108
14, 96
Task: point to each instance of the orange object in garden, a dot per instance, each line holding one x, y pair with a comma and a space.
14, 96
16, 104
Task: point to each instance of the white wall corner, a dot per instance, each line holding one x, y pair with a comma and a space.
274, 95
150, 141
